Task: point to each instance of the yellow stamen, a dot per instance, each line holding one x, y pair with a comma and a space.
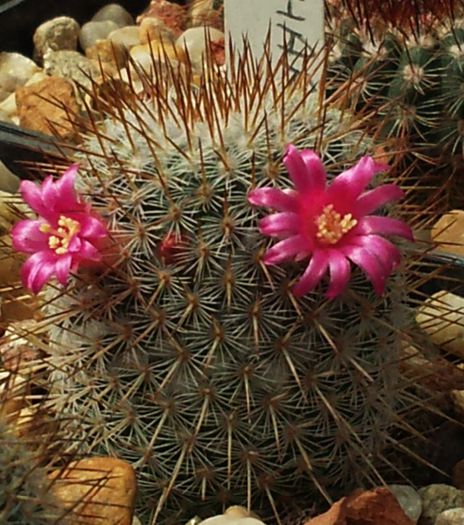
332, 226
61, 237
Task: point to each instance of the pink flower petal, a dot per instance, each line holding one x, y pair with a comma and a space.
32, 195
88, 252
340, 273
369, 264
92, 228
277, 223
382, 225
374, 199
64, 188
272, 198
388, 254
27, 236
75, 245
285, 250
297, 170
63, 267
37, 270
313, 274
347, 186
49, 194
315, 168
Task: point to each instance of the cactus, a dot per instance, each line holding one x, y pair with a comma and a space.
189, 357
406, 15
415, 81
24, 487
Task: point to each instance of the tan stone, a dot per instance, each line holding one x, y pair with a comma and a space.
154, 29
235, 515
102, 489
144, 55
194, 43
19, 349
44, 106
436, 373
448, 231
371, 507
9, 214
172, 15
108, 53
72, 66
9, 183
56, 34
8, 106
458, 475
458, 400
36, 77
441, 316
13, 393
127, 37
10, 263
15, 71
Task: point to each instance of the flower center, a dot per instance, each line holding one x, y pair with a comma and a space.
332, 226
61, 237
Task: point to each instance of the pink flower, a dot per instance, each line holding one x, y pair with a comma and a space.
331, 224
66, 234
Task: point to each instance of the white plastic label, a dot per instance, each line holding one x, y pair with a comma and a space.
299, 23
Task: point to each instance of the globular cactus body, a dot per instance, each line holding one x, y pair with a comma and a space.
188, 356
414, 79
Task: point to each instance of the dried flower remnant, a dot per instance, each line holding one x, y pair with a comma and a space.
66, 234
331, 224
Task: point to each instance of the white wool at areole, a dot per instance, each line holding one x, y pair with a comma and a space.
298, 22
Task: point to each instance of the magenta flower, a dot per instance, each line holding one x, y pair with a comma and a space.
66, 234
331, 224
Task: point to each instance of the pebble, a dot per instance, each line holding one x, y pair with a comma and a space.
36, 77
235, 515
10, 262
448, 231
9, 182
458, 475
199, 10
114, 13
15, 71
8, 106
441, 316
143, 55
111, 504
16, 351
71, 65
377, 506
109, 53
172, 15
56, 34
203, 13
125, 36
438, 498
451, 517
409, 500
136, 521
435, 372
457, 397
14, 392
37, 114
91, 32
194, 42
154, 29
